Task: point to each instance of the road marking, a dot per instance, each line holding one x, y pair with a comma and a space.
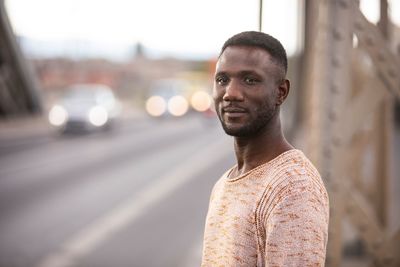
96, 233
193, 257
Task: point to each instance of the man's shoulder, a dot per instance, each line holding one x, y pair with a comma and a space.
290, 171
291, 165
293, 180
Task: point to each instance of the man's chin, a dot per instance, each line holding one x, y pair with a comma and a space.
242, 130
237, 129
235, 132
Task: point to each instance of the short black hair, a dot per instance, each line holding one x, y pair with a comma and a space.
263, 41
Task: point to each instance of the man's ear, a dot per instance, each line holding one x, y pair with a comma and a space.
283, 91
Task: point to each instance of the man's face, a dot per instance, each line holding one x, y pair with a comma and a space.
246, 90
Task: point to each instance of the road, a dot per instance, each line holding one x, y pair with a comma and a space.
136, 196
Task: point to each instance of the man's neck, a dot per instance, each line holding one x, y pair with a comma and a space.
261, 148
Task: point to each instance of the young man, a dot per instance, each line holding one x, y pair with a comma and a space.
271, 208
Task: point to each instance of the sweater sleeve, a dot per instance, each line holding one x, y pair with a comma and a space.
297, 228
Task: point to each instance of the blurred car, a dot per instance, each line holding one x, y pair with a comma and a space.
178, 97
85, 107
167, 98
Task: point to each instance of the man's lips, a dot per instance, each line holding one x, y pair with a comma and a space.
233, 110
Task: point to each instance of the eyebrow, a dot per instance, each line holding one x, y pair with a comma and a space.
248, 72
240, 73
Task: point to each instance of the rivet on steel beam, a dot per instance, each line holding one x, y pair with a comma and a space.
391, 73
362, 227
332, 115
369, 41
335, 62
336, 141
343, 4
334, 89
336, 35
376, 244
327, 152
350, 210
381, 57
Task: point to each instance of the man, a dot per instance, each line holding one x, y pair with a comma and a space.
271, 208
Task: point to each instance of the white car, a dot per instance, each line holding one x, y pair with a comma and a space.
167, 98
85, 107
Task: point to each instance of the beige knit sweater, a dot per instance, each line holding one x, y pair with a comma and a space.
274, 215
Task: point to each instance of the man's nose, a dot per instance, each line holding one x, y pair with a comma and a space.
233, 92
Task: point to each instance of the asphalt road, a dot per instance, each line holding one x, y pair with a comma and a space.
135, 196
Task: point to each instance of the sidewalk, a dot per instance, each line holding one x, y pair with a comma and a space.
23, 127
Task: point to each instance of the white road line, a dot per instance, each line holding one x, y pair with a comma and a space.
193, 257
92, 236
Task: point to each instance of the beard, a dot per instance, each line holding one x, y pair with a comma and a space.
253, 127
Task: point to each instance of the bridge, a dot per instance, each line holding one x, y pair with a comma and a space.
346, 118
18, 89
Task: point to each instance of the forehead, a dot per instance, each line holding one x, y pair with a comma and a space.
238, 58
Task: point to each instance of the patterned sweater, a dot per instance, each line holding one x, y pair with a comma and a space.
274, 215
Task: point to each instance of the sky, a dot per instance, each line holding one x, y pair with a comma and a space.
176, 26
195, 28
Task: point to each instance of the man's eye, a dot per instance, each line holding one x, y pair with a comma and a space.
250, 81
221, 80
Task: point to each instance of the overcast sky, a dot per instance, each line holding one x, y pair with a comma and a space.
196, 27
182, 26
